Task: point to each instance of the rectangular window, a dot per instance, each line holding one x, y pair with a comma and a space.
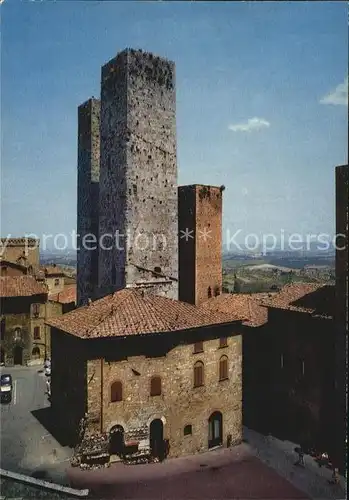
35, 310
302, 367
56, 281
223, 342
198, 347
36, 332
281, 360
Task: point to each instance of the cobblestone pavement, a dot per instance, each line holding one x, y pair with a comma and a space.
280, 455
220, 474
13, 490
27, 445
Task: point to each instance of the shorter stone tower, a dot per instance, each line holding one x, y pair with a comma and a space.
200, 242
88, 199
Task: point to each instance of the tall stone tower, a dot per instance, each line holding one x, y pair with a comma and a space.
138, 181
200, 242
88, 199
341, 312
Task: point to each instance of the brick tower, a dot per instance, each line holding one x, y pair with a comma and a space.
138, 181
200, 242
88, 199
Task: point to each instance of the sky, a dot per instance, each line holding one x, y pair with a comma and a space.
261, 104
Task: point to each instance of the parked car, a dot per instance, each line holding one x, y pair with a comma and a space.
6, 388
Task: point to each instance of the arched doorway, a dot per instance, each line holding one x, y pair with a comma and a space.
116, 440
2, 356
36, 352
157, 439
18, 355
215, 429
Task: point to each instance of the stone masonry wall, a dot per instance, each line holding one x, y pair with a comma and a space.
88, 198
139, 173
179, 404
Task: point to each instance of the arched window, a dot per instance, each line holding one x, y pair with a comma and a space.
198, 347
18, 333
36, 351
37, 332
223, 368
209, 292
198, 374
155, 386
116, 392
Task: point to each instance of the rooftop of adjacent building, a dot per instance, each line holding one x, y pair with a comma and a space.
132, 312
199, 186
66, 296
8, 242
21, 286
313, 298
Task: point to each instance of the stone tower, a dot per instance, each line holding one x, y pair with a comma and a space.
88, 199
138, 181
341, 315
200, 242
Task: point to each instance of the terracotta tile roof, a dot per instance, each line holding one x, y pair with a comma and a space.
53, 270
20, 286
129, 312
66, 296
239, 305
314, 298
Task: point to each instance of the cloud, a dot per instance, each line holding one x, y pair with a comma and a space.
251, 124
338, 96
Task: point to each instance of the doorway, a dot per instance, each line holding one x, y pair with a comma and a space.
18, 355
116, 440
215, 429
157, 439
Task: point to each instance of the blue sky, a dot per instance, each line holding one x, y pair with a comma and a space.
260, 107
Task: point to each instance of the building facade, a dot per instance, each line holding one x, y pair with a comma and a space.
24, 251
170, 372
24, 335
200, 242
88, 199
138, 177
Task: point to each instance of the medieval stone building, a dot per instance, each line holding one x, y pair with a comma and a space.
23, 315
151, 368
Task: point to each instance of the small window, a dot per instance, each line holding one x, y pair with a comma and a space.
155, 386
198, 347
36, 332
198, 374
281, 361
157, 269
223, 368
57, 282
303, 368
36, 310
188, 430
116, 392
217, 291
223, 342
113, 276
209, 292
4, 271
